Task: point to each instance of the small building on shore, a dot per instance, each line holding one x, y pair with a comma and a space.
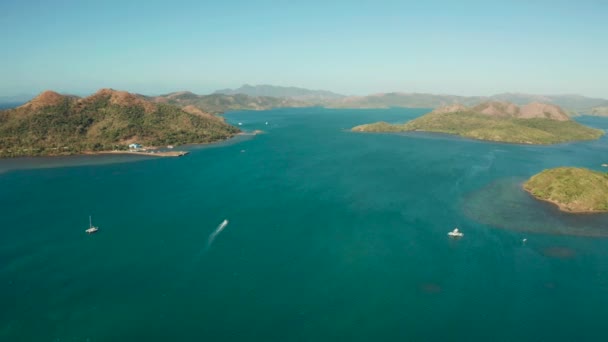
134, 146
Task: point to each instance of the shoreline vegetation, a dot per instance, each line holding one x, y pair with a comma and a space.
109, 120
572, 190
151, 151
534, 124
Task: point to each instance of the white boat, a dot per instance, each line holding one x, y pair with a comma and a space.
455, 233
91, 228
240, 124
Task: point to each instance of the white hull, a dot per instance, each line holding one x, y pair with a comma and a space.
91, 229
455, 233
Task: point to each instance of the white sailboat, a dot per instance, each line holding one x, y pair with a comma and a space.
91, 228
455, 234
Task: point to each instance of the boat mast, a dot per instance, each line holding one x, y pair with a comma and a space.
90, 222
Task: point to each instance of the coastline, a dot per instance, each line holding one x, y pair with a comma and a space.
102, 157
142, 153
255, 132
128, 152
460, 136
563, 207
463, 136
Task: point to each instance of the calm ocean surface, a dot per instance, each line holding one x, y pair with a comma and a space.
332, 236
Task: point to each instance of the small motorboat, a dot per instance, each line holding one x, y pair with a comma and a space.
92, 229
455, 234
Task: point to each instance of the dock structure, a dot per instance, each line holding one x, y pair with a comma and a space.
160, 154
150, 153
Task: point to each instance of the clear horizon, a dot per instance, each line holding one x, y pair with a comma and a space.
354, 48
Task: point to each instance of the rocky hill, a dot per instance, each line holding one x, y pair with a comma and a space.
55, 124
510, 110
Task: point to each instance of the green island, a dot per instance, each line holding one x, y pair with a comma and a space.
535, 123
574, 190
109, 120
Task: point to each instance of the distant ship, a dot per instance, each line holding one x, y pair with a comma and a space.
455, 234
91, 228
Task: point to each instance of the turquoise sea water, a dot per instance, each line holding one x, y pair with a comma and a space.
332, 236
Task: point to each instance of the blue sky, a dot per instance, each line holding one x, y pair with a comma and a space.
353, 47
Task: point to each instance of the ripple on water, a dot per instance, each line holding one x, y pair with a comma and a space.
430, 288
504, 204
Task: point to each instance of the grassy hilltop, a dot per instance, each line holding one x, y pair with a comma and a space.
572, 189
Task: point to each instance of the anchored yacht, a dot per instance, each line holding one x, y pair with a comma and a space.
92, 229
455, 234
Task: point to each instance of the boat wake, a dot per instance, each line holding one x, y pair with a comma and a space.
215, 233
190, 267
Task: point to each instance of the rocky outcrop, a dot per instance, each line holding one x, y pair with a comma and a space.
509, 110
543, 110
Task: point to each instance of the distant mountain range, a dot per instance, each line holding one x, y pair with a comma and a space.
408, 100
262, 97
569, 102
282, 92
575, 104
219, 103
